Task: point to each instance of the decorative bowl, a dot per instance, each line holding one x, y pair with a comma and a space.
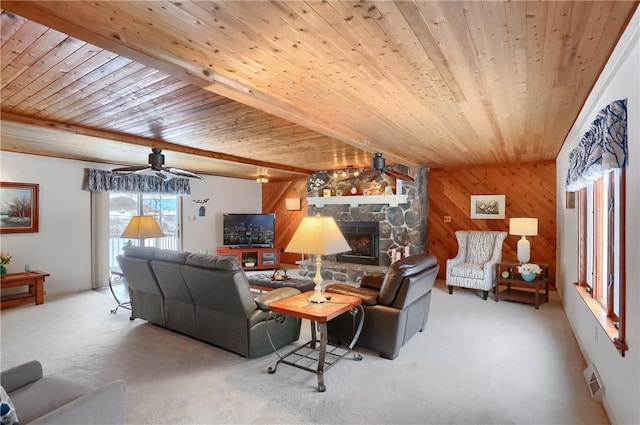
528, 276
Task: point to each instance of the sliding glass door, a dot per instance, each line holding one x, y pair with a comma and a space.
164, 208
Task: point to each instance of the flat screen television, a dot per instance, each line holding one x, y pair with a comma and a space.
254, 230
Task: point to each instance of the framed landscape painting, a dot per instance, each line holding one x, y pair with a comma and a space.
487, 206
18, 207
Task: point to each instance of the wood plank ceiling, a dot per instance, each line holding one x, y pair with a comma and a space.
286, 87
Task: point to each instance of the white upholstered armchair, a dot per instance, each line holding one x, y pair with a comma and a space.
474, 265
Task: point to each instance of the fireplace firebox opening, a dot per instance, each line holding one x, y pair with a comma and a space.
363, 238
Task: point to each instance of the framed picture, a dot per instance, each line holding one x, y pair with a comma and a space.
18, 207
487, 206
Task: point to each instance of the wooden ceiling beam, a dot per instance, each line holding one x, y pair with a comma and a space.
141, 141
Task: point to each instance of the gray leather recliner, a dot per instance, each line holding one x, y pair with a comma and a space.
227, 314
179, 308
396, 305
147, 300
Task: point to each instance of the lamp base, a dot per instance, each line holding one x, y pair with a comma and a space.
524, 249
317, 297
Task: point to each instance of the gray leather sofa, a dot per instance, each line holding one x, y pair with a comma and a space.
396, 305
42, 399
205, 297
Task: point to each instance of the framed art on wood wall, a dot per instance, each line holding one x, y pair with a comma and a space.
487, 206
18, 207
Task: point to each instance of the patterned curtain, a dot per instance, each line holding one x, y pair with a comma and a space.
103, 181
602, 148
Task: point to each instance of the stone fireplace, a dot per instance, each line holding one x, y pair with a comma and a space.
363, 238
399, 226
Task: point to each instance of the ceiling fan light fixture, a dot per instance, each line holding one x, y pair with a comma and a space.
262, 179
377, 162
379, 168
156, 159
156, 168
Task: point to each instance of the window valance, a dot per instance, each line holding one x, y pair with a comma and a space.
104, 181
602, 148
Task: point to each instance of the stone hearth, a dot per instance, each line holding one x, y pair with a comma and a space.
333, 271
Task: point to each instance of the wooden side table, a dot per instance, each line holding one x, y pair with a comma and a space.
319, 314
518, 289
33, 279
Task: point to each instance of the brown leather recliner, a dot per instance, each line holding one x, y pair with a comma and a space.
396, 305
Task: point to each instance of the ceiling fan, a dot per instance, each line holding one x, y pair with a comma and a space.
378, 168
156, 165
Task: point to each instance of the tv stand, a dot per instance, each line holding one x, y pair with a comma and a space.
265, 258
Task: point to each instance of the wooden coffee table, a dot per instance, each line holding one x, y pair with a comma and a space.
319, 314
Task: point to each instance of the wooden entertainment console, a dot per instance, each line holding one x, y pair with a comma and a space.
266, 258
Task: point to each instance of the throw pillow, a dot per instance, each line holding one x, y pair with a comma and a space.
8, 414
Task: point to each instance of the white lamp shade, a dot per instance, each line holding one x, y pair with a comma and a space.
523, 226
318, 235
142, 227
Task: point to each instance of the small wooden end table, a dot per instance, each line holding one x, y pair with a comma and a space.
33, 279
527, 292
319, 314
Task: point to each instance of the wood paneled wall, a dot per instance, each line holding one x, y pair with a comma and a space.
530, 190
273, 201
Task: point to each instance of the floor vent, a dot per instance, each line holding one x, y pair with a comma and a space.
596, 389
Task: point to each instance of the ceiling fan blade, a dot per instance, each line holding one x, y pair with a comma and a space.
161, 174
349, 179
368, 175
398, 175
129, 170
182, 173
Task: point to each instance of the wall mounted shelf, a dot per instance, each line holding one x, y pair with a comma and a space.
354, 201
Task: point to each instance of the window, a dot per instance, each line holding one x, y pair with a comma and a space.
164, 208
601, 262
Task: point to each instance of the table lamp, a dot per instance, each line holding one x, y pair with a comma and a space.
523, 227
318, 235
142, 227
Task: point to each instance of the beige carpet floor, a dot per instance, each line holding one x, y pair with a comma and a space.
477, 362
